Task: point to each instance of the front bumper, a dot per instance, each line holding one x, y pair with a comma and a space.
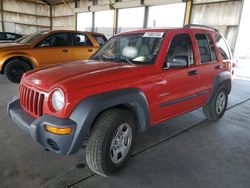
61, 144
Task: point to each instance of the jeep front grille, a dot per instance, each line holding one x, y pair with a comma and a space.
31, 101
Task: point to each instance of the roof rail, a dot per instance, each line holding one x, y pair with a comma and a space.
200, 26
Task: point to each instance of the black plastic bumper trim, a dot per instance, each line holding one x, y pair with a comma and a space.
35, 127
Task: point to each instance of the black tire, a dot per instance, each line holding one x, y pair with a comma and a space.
210, 110
98, 148
14, 70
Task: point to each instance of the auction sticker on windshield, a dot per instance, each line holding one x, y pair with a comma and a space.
153, 34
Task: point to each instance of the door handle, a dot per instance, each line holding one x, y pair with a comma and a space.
65, 50
217, 67
193, 72
90, 50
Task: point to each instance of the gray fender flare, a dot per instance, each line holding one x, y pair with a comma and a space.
225, 78
88, 109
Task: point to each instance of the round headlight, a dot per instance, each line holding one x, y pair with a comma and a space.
58, 100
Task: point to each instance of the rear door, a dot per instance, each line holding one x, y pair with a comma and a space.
54, 49
209, 62
179, 90
82, 48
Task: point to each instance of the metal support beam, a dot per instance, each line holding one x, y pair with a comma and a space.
75, 17
115, 21
46, 2
145, 21
188, 12
67, 5
1, 9
93, 21
50, 18
215, 2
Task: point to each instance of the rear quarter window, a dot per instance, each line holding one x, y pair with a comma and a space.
100, 39
223, 47
81, 40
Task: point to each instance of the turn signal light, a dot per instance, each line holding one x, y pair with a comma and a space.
59, 131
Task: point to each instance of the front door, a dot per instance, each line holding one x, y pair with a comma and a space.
179, 89
53, 50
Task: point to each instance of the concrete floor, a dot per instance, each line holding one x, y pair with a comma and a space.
188, 151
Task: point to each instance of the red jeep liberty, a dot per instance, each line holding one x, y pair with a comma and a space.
135, 81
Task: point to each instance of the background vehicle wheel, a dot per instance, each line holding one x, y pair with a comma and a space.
216, 107
14, 70
111, 141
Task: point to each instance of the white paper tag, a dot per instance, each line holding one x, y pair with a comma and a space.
153, 34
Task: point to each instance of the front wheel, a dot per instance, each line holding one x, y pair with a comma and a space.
111, 141
216, 107
15, 69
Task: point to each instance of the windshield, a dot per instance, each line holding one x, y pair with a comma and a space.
141, 48
20, 39
33, 37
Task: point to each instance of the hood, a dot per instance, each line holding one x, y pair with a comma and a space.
79, 74
7, 46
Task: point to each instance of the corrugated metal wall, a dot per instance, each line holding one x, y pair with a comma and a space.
63, 16
25, 17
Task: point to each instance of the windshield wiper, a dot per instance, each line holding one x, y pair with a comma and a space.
119, 59
99, 58
127, 60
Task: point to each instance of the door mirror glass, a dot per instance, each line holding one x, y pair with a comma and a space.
178, 62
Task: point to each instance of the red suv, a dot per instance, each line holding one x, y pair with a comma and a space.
135, 81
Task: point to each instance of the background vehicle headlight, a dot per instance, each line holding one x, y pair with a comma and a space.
58, 100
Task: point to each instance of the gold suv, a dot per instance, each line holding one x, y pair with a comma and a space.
46, 48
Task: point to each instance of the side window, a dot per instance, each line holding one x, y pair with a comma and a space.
18, 36
181, 45
101, 39
3, 36
81, 40
224, 49
56, 40
212, 48
10, 36
204, 48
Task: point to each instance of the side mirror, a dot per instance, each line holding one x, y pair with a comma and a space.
178, 62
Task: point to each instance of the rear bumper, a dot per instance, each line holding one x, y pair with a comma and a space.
61, 144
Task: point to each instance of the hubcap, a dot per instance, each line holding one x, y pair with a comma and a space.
220, 103
121, 143
17, 72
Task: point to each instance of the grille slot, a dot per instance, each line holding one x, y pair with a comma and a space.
31, 100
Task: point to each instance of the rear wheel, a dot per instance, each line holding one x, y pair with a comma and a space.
111, 142
15, 69
216, 107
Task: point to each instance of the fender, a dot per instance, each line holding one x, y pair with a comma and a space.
31, 59
225, 78
88, 109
